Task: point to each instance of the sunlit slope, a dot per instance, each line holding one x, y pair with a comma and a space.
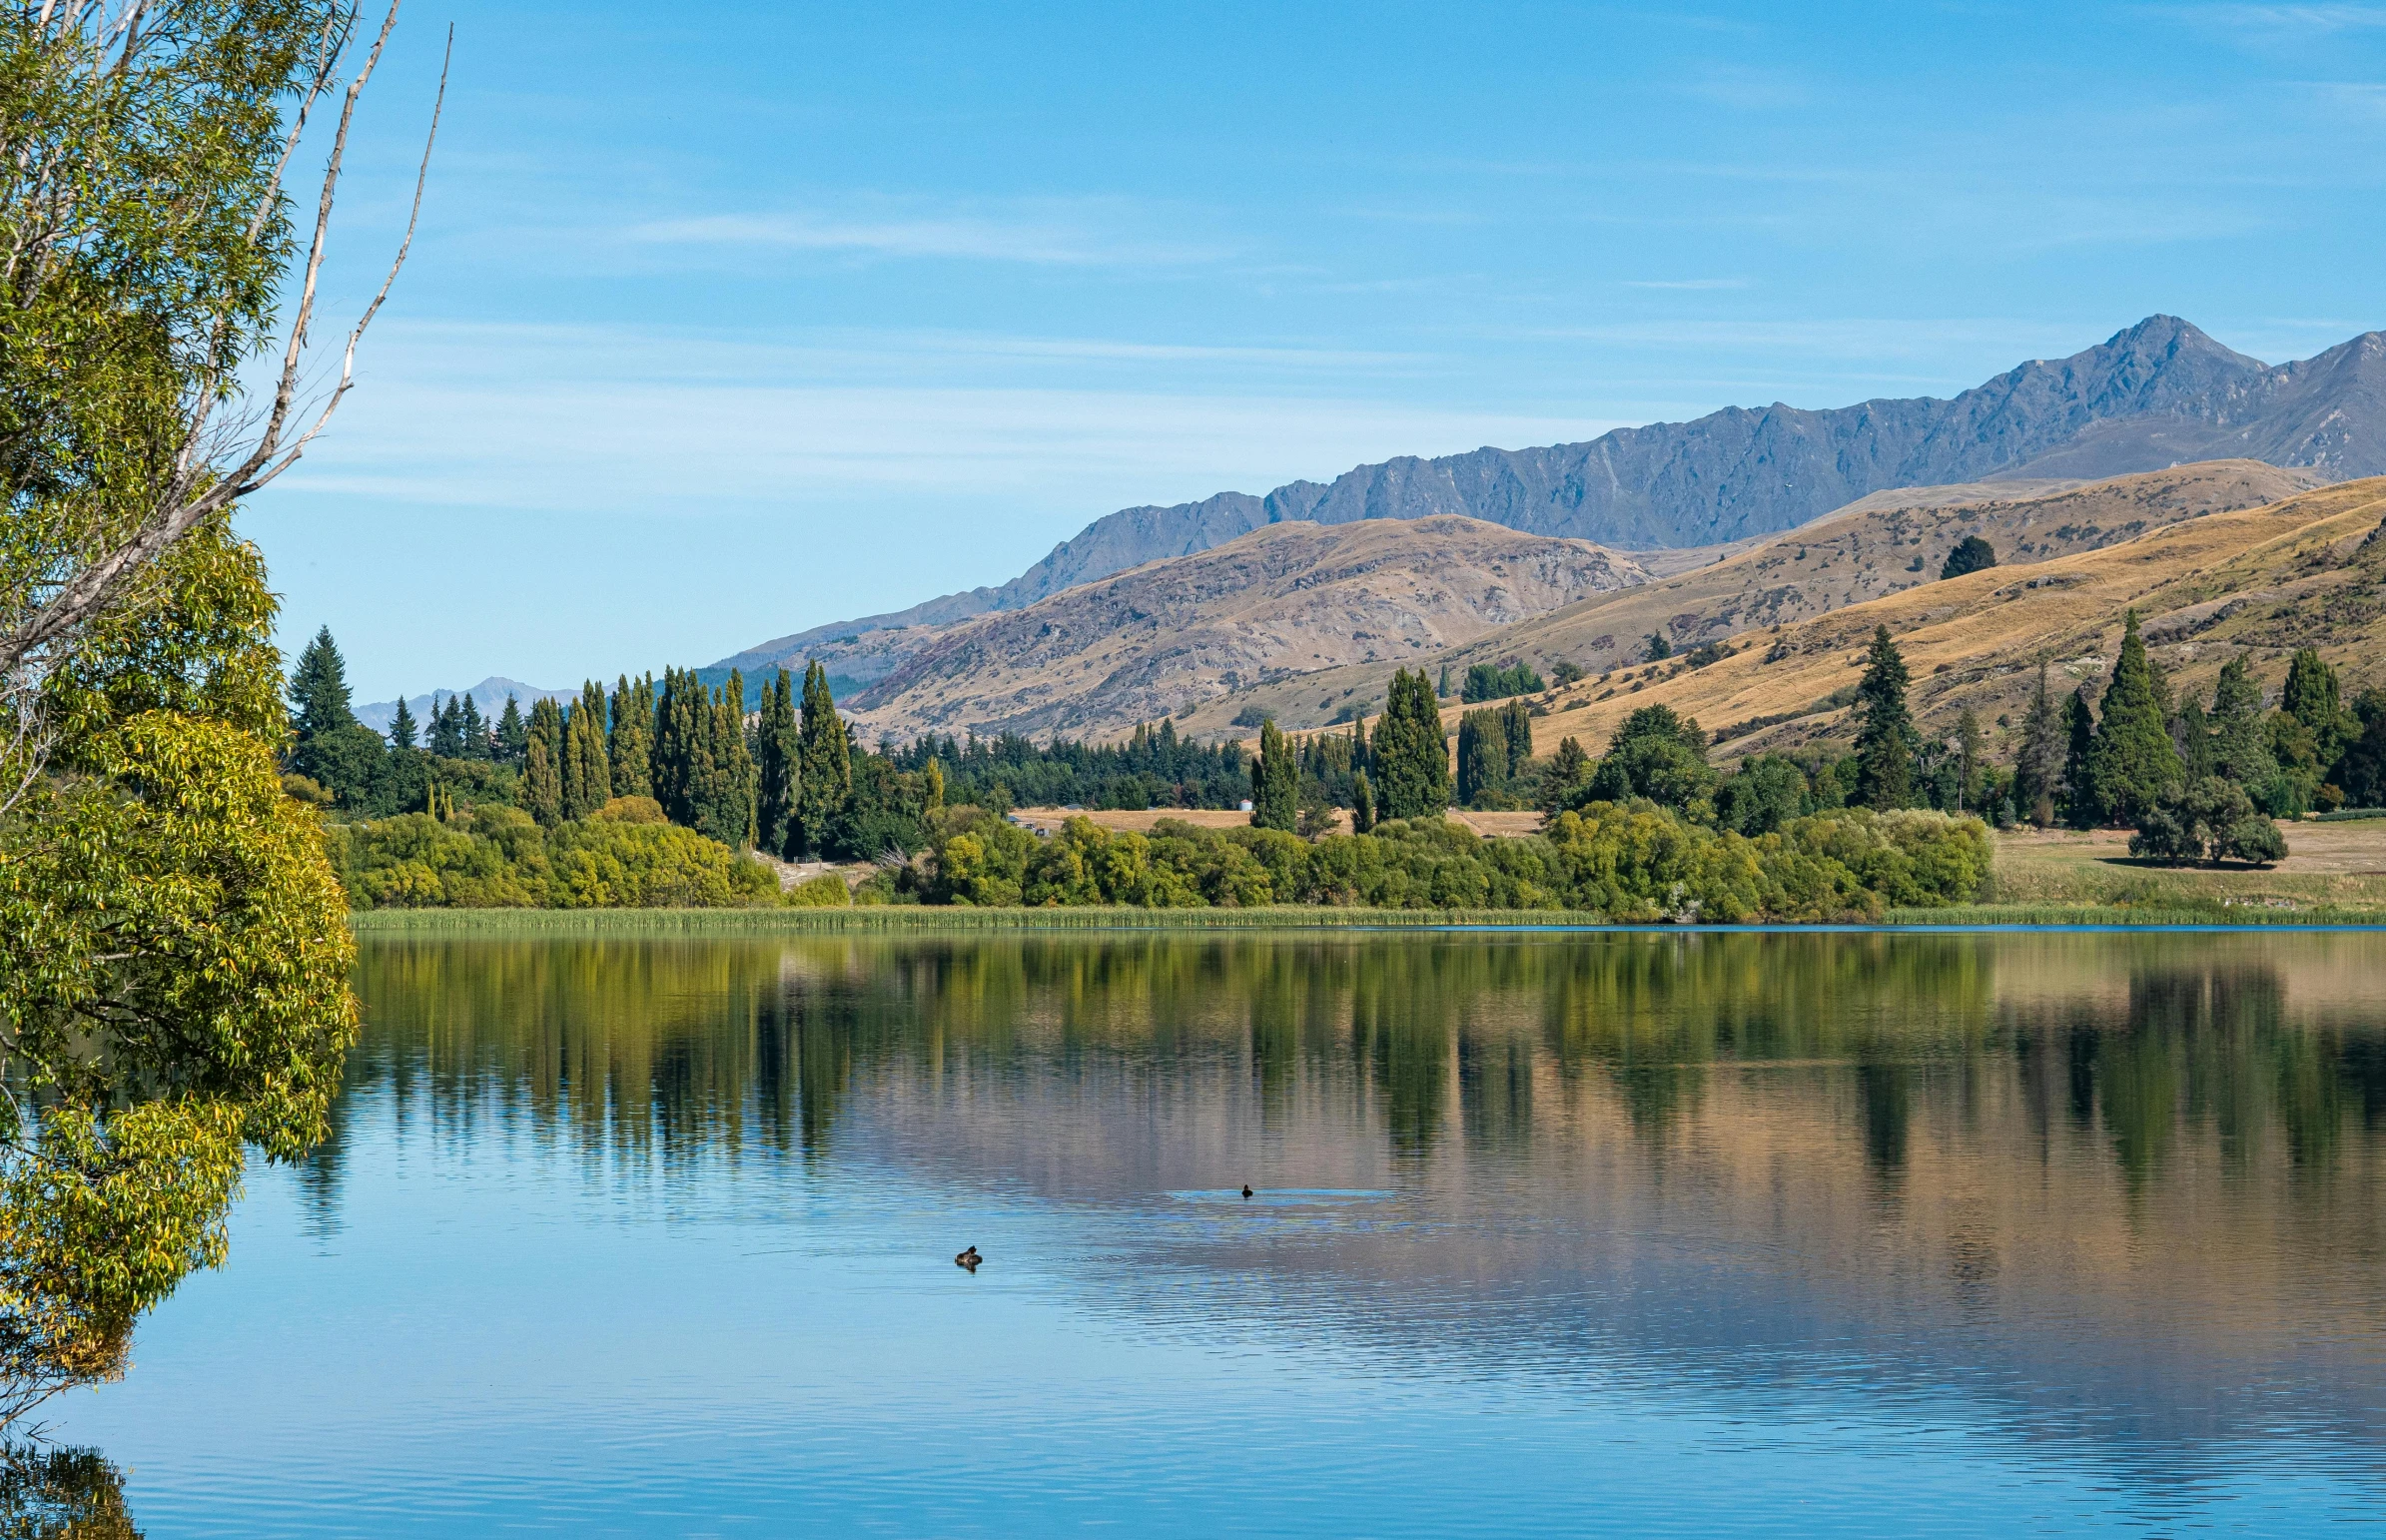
2303, 573
1887, 544
1290, 598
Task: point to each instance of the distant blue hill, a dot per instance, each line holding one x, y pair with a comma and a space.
489, 695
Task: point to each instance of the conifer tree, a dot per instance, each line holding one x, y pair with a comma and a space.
446, 728
1885, 740
2240, 743
2038, 763
629, 742
471, 729
513, 735
824, 771
778, 755
402, 726
2312, 698
543, 768
730, 807
681, 760
2134, 762
1362, 804
1569, 770
1411, 755
1442, 690
1276, 782
588, 774
2079, 765
2192, 736
318, 698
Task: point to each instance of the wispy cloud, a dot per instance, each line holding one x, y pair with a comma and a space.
2301, 20
1686, 283
1029, 238
1747, 89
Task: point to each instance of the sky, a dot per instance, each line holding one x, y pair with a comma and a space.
728, 320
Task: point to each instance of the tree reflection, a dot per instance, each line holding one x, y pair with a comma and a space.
53, 1493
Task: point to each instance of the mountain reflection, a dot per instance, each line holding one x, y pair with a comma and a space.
2124, 1187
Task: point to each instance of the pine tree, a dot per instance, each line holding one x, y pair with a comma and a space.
2079, 765
1886, 740
1569, 771
2038, 763
630, 742
543, 769
2240, 742
319, 690
778, 758
2192, 736
824, 773
514, 736
471, 729
402, 726
1276, 782
2133, 761
1362, 804
1411, 755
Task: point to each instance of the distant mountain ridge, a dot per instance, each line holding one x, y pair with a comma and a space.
2158, 393
489, 695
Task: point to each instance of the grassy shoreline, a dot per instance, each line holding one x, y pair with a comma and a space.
920, 919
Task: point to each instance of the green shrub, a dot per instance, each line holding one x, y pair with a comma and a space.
826, 891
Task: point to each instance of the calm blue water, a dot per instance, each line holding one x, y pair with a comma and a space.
1632, 1235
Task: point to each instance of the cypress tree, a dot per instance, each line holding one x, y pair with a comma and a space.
629, 741
471, 729
1410, 754
778, 756
677, 749
2240, 743
824, 770
543, 769
731, 805
1442, 690
1362, 804
1886, 741
2038, 763
319, 701
2134, 762
402, 726
2192, 736
1276, 782
2079, 765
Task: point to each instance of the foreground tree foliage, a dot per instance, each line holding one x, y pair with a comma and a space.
173, 948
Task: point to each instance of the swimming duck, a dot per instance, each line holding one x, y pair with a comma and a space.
1246, 1189
969, 1260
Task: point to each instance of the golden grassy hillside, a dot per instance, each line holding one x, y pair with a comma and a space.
1290, 598
2308, 571
1887, 544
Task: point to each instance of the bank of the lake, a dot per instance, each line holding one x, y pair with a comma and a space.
908, 918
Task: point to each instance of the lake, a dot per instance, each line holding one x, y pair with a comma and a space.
1629, 1232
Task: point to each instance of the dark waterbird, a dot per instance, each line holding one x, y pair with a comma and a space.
1246, 1189
969, 1260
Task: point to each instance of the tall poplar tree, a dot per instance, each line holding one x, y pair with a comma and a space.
543, 768
1885, 740
2080, 802
2312, 697
1276, 782
2134, 762
778, 754
729, 807
630, 741
824, 772
587, 773
2037, 762
1482, 756
1410, 754
1517, 718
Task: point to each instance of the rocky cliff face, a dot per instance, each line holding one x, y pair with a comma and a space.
2158, 394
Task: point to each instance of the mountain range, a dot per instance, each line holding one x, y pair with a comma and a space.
2159, 394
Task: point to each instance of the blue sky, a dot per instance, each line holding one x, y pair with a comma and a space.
727, 321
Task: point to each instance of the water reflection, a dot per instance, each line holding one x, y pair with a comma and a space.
2114, 1188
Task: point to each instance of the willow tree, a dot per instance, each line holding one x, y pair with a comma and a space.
173, 947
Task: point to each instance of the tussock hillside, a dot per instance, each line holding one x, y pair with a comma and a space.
1887, 543
2309, 572
1287, 600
